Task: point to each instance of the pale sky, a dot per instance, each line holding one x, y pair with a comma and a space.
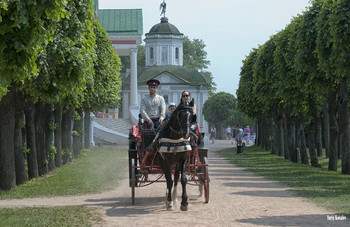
229, 28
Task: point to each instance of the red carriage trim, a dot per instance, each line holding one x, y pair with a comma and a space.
135, 132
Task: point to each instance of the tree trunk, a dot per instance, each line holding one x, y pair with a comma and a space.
272, 132
67, 153
40, 119
285, 140
319, 146
48, 142
58, 136
280, 138
334, 130
31, 144
7, 150
87, 129
258, 133
326, 128
301, 138
344, 116
289, 133
219, 131
265, 133
78, 133
312, 150
21, 172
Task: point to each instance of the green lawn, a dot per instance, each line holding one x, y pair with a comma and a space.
50, 216
96, 170
327, 188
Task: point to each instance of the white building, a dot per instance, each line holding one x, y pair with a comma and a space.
164, 61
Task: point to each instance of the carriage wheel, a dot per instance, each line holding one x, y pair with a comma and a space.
132, 152
133, 181
206, 180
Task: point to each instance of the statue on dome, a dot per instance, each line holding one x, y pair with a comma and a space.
163, 8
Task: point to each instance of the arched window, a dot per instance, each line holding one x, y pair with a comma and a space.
164, 55
177, 53
166, 98
151, 54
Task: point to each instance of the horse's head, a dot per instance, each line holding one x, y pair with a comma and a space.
184, 114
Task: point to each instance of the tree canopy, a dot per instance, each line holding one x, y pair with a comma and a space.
301, 74
25, 28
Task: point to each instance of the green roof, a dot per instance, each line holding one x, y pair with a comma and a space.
186, 75
121, 21
164, 28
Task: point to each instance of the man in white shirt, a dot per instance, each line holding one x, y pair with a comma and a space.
153, 105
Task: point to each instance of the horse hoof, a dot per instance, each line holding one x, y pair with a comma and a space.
169, 206
175, 201
184, 208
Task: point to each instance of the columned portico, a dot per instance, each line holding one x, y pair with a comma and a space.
134, 104
125, 29
133, 78
129, 48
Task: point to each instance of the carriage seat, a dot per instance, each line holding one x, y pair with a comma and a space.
168, 145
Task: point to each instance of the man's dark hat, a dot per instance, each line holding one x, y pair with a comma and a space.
153, 83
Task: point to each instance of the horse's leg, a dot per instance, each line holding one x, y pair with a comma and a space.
176, 180
184, 203
169, 182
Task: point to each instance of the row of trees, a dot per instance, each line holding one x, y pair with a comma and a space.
56, 62
296, 84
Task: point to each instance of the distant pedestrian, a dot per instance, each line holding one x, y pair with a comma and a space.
247, 134
233, 130
228, 133
213, 135
253, 138
239, 135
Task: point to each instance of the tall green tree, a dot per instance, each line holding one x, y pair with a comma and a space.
334, 60
310, 80
65, 68
104, 92
25, 26
324, 51
218, 108
246, 97
194, 54
195, 57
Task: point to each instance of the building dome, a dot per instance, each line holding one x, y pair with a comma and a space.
164, 28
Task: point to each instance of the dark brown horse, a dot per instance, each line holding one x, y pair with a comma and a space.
173, 144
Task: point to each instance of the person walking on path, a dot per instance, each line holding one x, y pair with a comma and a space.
233, 130
247, 134
213, 135
239, 135
228, 133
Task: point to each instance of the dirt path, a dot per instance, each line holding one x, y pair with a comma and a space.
237, 198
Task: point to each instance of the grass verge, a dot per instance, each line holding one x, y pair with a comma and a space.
96, 170
53, 216
329, 189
